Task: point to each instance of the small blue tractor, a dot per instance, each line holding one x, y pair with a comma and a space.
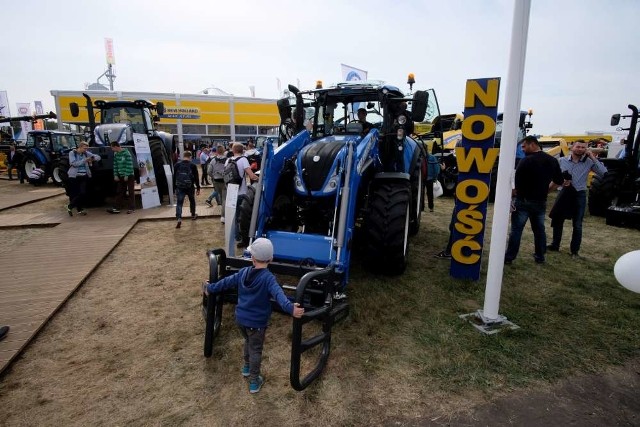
335, 185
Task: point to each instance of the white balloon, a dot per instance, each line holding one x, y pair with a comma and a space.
627, 271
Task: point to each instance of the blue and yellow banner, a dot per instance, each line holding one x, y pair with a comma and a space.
475, 158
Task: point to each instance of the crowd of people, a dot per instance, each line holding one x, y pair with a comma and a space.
536, 175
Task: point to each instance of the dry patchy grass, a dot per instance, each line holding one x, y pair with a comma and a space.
127, 348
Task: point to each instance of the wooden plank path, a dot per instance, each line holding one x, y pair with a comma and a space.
32, 194
31, 292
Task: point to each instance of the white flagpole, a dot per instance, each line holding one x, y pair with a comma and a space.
508, 143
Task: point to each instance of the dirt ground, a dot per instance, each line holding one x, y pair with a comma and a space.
126, 349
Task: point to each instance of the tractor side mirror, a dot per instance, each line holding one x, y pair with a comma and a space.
284, 109
75, 110
419, 108
615, 119
160, 108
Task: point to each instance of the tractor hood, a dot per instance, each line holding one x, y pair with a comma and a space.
120, 132
318, 165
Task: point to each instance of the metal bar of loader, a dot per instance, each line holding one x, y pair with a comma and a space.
344, 203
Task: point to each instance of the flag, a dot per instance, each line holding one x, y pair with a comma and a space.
350, 73
253, 91
24, 109
4, 104
108, 47
279, 86
38, 105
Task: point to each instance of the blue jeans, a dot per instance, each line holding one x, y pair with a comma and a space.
578, 216
534, 211
181, 194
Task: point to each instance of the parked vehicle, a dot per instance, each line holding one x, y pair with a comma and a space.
119, 120
327, 191
49, 150
616, 195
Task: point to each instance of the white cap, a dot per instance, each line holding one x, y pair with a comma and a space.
261, 249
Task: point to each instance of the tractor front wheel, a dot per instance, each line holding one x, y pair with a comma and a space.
387, 227
602, 192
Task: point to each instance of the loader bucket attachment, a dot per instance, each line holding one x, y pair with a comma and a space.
212, 304
319, 283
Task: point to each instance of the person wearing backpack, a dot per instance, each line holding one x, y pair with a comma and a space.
216, 172
185, 177
236, 170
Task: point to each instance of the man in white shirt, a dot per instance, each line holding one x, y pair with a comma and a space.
244, 169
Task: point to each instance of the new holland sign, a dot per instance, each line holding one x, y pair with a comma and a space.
181, 113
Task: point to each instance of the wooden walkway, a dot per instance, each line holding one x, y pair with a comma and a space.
30, 195
33, 288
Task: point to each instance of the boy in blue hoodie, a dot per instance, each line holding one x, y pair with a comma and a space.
256, 286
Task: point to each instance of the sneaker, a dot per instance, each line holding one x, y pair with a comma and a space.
222, 219
69, 210
245, 370
179, 223
256, 385
430, 210
194, 217
538, 260
130, 211
113, 211
83, 212
508, 261
443, 255
553, 248
208, 203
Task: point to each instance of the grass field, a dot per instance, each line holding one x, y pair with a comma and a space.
127, 348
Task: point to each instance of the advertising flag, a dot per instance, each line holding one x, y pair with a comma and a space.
4, 104
350, 73
108, 47
24, 109
39, 124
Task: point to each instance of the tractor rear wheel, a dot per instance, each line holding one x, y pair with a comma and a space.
387, 227
159, 157
602, 192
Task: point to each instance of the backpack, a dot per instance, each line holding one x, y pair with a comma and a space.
184, 177
216, 167
231, 175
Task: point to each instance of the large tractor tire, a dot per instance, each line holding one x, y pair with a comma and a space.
449, 178
244, 211
159, 157
417, 198
60, 172
31, 162
602, 192
387, 227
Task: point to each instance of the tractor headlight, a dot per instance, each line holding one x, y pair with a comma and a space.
298, 183
400, 134
402, 120
123, 138
331, 185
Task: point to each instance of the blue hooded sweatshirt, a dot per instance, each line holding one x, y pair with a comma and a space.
256, 287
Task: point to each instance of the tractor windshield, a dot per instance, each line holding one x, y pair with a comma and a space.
64, 142
38, 140
127, 115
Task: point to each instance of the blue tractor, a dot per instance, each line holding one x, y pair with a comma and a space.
336, 186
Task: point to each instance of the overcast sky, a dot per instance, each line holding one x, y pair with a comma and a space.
582, 61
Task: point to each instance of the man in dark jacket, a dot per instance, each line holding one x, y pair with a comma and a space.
536, 175
185, 178
256, 286
14, 160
